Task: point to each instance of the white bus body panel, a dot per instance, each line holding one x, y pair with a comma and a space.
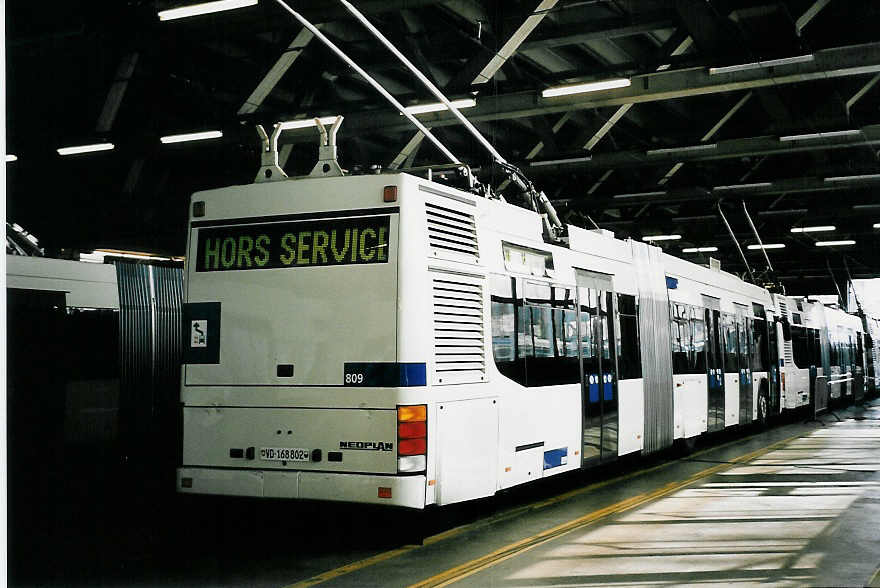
406, 491
731, 399
692, 389
467, 436
214, 431
87, 285
631, 415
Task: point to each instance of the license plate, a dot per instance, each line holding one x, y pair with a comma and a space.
284, 454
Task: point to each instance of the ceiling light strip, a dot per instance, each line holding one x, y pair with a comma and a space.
560, 161
661, 238
824, 135
699, 249
687, 149
306, 122
76, 150
439, 106
817, 229
640, 194
767, 246
744, 186
584, 88
835, 243
204, 8
853, 178
201, 136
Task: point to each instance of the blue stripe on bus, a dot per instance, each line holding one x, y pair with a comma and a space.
555, 458
385, 374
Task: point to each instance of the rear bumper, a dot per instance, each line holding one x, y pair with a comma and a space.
407, 491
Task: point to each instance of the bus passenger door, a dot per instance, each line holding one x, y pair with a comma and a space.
744, 329
588, 325
715, 367
599, 385
608, 363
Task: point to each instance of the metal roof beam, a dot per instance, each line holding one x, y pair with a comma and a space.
597, 33
785, 186
861, 93
674, 169
116, 92
516, 39
730, 149
276, 72
652, 87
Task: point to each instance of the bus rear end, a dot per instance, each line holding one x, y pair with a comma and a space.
292, 384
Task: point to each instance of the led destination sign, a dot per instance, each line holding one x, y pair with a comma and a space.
335, 241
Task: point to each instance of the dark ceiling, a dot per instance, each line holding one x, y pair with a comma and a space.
84, 72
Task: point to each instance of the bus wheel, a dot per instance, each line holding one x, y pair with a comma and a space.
763, 410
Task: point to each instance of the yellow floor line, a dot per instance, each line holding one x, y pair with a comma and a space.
364, 563
353, 567
508, 551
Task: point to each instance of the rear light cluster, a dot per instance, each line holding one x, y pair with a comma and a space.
412, 438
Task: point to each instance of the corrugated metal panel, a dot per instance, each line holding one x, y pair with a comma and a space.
150, 346
656, 347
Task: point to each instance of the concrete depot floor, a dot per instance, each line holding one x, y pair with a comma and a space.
798, 504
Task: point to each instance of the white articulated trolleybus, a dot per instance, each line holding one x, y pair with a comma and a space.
386, 338
391, 339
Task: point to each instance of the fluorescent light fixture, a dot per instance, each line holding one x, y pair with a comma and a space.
639, 195
192, 137
684, 219
661, 238
687, 149
760, 64
85, 148
818, 229
834, 243
584, 88
853, 178
826, 135
204, 8
865, 206
744, 186
791, 211
561, 161
699, 249
438, 106
768, 246
10, 158
877, 225
307, 122
98, 255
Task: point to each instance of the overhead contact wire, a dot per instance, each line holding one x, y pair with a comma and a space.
428, 83
379, 88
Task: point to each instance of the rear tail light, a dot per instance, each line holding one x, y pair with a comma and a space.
412, 438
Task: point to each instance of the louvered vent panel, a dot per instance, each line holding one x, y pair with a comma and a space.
451, 233
459, 347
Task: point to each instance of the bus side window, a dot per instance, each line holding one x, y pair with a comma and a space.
760, 359
507, 323
629, 358
681, 338
697, 354
730, 344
